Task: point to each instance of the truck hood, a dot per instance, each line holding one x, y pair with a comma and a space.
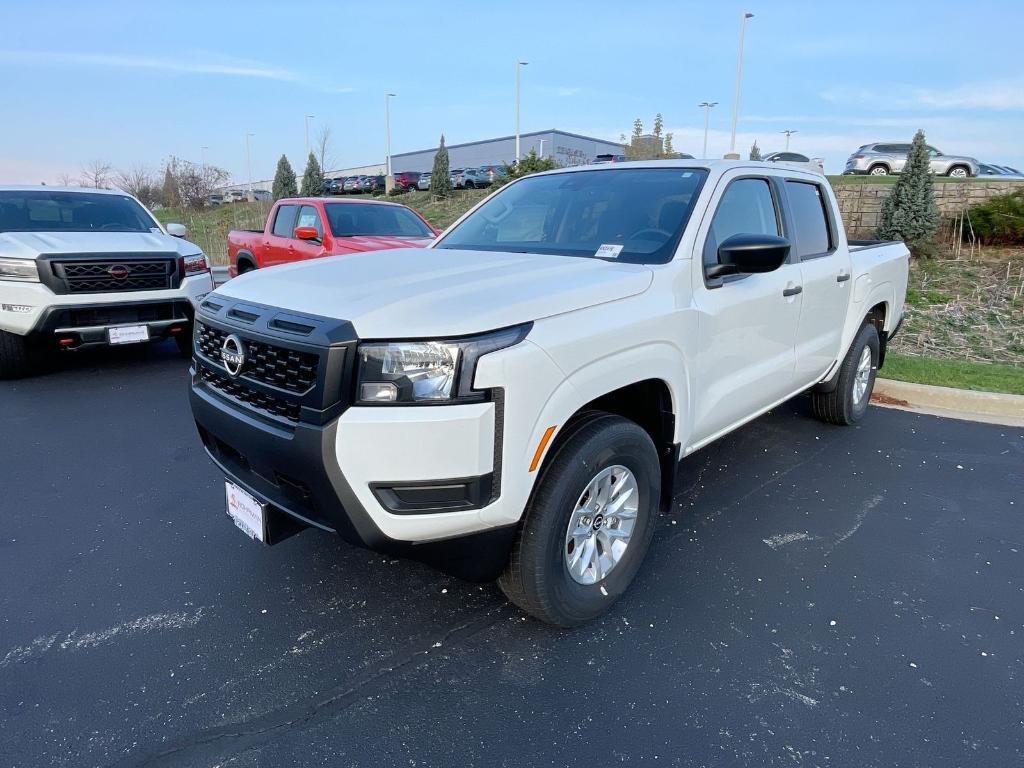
414, 292
358, 243
29, 245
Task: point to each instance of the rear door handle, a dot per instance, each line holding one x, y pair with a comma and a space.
843, 277
793, 291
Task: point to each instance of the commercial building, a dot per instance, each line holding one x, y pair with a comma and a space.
565, 148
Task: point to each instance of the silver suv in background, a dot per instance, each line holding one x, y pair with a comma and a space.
883, 158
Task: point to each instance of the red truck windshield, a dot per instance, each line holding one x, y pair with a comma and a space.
351, 219
42, 211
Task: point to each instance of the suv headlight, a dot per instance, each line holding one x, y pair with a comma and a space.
24, 270
433, 372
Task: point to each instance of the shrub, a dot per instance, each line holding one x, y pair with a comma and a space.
999, 220
396, 191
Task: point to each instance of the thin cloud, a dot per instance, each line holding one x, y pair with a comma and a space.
223, 67
996, 95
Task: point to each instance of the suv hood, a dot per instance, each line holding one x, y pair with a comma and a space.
29, 245
415, 292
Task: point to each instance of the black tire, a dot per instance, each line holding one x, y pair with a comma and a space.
878, 170
469, 185
537, 578
16, 358
840, 406
245, 266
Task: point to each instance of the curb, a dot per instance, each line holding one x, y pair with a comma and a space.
988, 407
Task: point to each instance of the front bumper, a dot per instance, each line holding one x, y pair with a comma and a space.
411, 481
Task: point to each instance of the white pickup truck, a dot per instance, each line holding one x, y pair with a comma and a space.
512, 401
89, 267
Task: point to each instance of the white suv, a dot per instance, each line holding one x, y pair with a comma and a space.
89, 267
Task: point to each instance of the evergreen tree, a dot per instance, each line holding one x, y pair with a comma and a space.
670, 152
910, 213
312, 178
170, 192
284, 180
755, 151
440, 181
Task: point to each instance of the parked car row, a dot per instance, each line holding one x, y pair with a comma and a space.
461, 178
237, 196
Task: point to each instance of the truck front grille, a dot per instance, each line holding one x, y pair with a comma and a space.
236, 389
280, 367
110, 276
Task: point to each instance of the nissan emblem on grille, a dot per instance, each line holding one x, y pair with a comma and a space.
232, 354
119, 271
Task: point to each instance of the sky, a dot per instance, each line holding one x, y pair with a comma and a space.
132, 83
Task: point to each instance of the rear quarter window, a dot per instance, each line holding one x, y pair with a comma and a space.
811, 230
284, 220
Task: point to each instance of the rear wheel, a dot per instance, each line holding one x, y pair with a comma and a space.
589, 523
848, 402
245, 266
15, 356
959, 172
470, 185
878, 170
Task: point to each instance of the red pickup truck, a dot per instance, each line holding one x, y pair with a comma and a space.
300, 228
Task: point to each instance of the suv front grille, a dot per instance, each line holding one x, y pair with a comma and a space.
280, 367
115, 276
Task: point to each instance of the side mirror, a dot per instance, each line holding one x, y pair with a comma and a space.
307, 233
177, 230
746, 254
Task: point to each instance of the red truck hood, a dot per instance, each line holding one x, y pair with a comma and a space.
361, 243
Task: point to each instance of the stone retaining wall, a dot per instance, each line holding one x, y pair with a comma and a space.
861, 203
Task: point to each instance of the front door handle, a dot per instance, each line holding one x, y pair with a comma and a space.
843, 277
793, 291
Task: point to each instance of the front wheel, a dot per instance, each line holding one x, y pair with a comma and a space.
848, 402
589, 523
879, 170
15, 356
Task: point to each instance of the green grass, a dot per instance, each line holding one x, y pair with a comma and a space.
986, 377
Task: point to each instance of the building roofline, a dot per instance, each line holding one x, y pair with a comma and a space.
505, 138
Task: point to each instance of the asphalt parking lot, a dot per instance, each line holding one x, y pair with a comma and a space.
818, 596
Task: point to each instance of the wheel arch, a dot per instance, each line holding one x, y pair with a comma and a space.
244, 256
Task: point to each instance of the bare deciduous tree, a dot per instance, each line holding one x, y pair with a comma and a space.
139, 182
193, 183
97, 174
323, 148
67, 180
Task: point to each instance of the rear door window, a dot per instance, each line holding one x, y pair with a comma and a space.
284, 220
810, 219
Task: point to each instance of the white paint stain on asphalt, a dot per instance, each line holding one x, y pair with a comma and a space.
868, 505
782, 539
154, 622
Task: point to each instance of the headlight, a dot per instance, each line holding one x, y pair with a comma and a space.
194, 264
427, 371
24, 270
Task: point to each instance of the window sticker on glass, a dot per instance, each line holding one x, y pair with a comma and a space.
608, 251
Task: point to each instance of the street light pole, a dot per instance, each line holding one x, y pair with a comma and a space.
519, 64
248, 159
542, 148
707, 116
739, 70
788, 134
202, 156
387, 128
308, 117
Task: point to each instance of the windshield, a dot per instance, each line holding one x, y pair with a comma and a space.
628, 214
348, 219
42, 211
